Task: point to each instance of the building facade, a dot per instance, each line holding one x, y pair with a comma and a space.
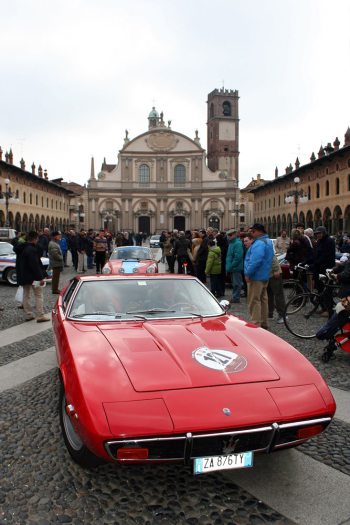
162, 181
28, 200
315, 194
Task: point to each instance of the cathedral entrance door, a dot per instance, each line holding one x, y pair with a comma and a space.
179, 223
145, 225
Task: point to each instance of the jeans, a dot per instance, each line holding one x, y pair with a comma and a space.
237, 284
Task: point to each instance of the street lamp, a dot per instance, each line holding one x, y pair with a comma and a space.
235, 214
296, 196
7, 197
79, 214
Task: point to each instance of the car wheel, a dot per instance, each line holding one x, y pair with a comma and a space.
76, 448
11, 276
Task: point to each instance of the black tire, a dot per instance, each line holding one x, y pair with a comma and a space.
302, 317
76, 448
291, 288
11, 276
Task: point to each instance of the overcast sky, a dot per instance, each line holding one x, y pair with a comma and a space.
76, 73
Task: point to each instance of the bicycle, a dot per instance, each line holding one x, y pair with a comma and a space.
296, 286
302, 312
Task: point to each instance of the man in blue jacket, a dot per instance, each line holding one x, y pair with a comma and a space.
234, 263
257, 268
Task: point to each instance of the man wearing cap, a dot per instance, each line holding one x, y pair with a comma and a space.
257, 268
234, 263
56, 260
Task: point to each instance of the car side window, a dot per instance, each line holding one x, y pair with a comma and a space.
67, 296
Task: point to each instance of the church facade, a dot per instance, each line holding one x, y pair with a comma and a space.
164, 180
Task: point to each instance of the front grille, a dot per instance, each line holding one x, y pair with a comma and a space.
234, 442
187, 447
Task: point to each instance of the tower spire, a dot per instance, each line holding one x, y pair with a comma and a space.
92, 173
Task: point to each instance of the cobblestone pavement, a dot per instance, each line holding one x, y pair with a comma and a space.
40, 485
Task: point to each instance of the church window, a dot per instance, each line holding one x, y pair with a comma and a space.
144, 173
36, 200
309, 193
24, 197
30, 198
180, 175
327, 187
317, 191
226, 108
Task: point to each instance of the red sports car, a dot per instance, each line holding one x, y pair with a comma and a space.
154, 369
131, 259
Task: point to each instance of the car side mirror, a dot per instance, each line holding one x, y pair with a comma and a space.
225, 305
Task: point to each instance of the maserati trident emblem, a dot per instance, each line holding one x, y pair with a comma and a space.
226, 411
230, 445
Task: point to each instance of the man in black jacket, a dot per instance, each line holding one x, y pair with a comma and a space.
324, 259
31, 275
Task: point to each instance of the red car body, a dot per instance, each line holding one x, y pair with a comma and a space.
131, 259
162, 388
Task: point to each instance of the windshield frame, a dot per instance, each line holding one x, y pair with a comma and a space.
143, 314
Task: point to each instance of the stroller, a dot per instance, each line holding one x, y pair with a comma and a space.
336, 330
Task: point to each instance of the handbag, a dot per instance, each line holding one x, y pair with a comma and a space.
19, 295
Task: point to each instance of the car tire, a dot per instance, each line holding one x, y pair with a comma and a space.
76, 448
11, 276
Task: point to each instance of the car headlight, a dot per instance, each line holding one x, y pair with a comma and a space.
106, 270
135, 270
121, 270
151, 269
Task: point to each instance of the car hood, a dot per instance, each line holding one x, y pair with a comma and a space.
130, 265
178, 355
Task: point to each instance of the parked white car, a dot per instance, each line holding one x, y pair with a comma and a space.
8, 263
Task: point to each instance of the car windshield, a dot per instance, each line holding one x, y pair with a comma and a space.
155, 237
130, 299
131, 252
6, 249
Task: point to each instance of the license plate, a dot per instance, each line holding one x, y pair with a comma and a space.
229, 461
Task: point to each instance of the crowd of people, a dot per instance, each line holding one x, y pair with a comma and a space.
245, 259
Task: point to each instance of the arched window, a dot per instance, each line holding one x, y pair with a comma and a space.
24, 197
36, 200
327, 187
309, 193
226, 108
30, 198
317, 191
179, 175
42, 202
144, 174
337, 186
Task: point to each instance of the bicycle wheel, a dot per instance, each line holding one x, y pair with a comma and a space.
291, 288
301, 316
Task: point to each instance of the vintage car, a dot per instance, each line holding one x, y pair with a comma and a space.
154, 369
154, 241
8, 263
131, 259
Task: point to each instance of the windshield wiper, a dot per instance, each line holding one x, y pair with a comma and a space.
152, 311
109, 314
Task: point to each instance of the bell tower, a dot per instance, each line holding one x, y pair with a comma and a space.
223, 133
